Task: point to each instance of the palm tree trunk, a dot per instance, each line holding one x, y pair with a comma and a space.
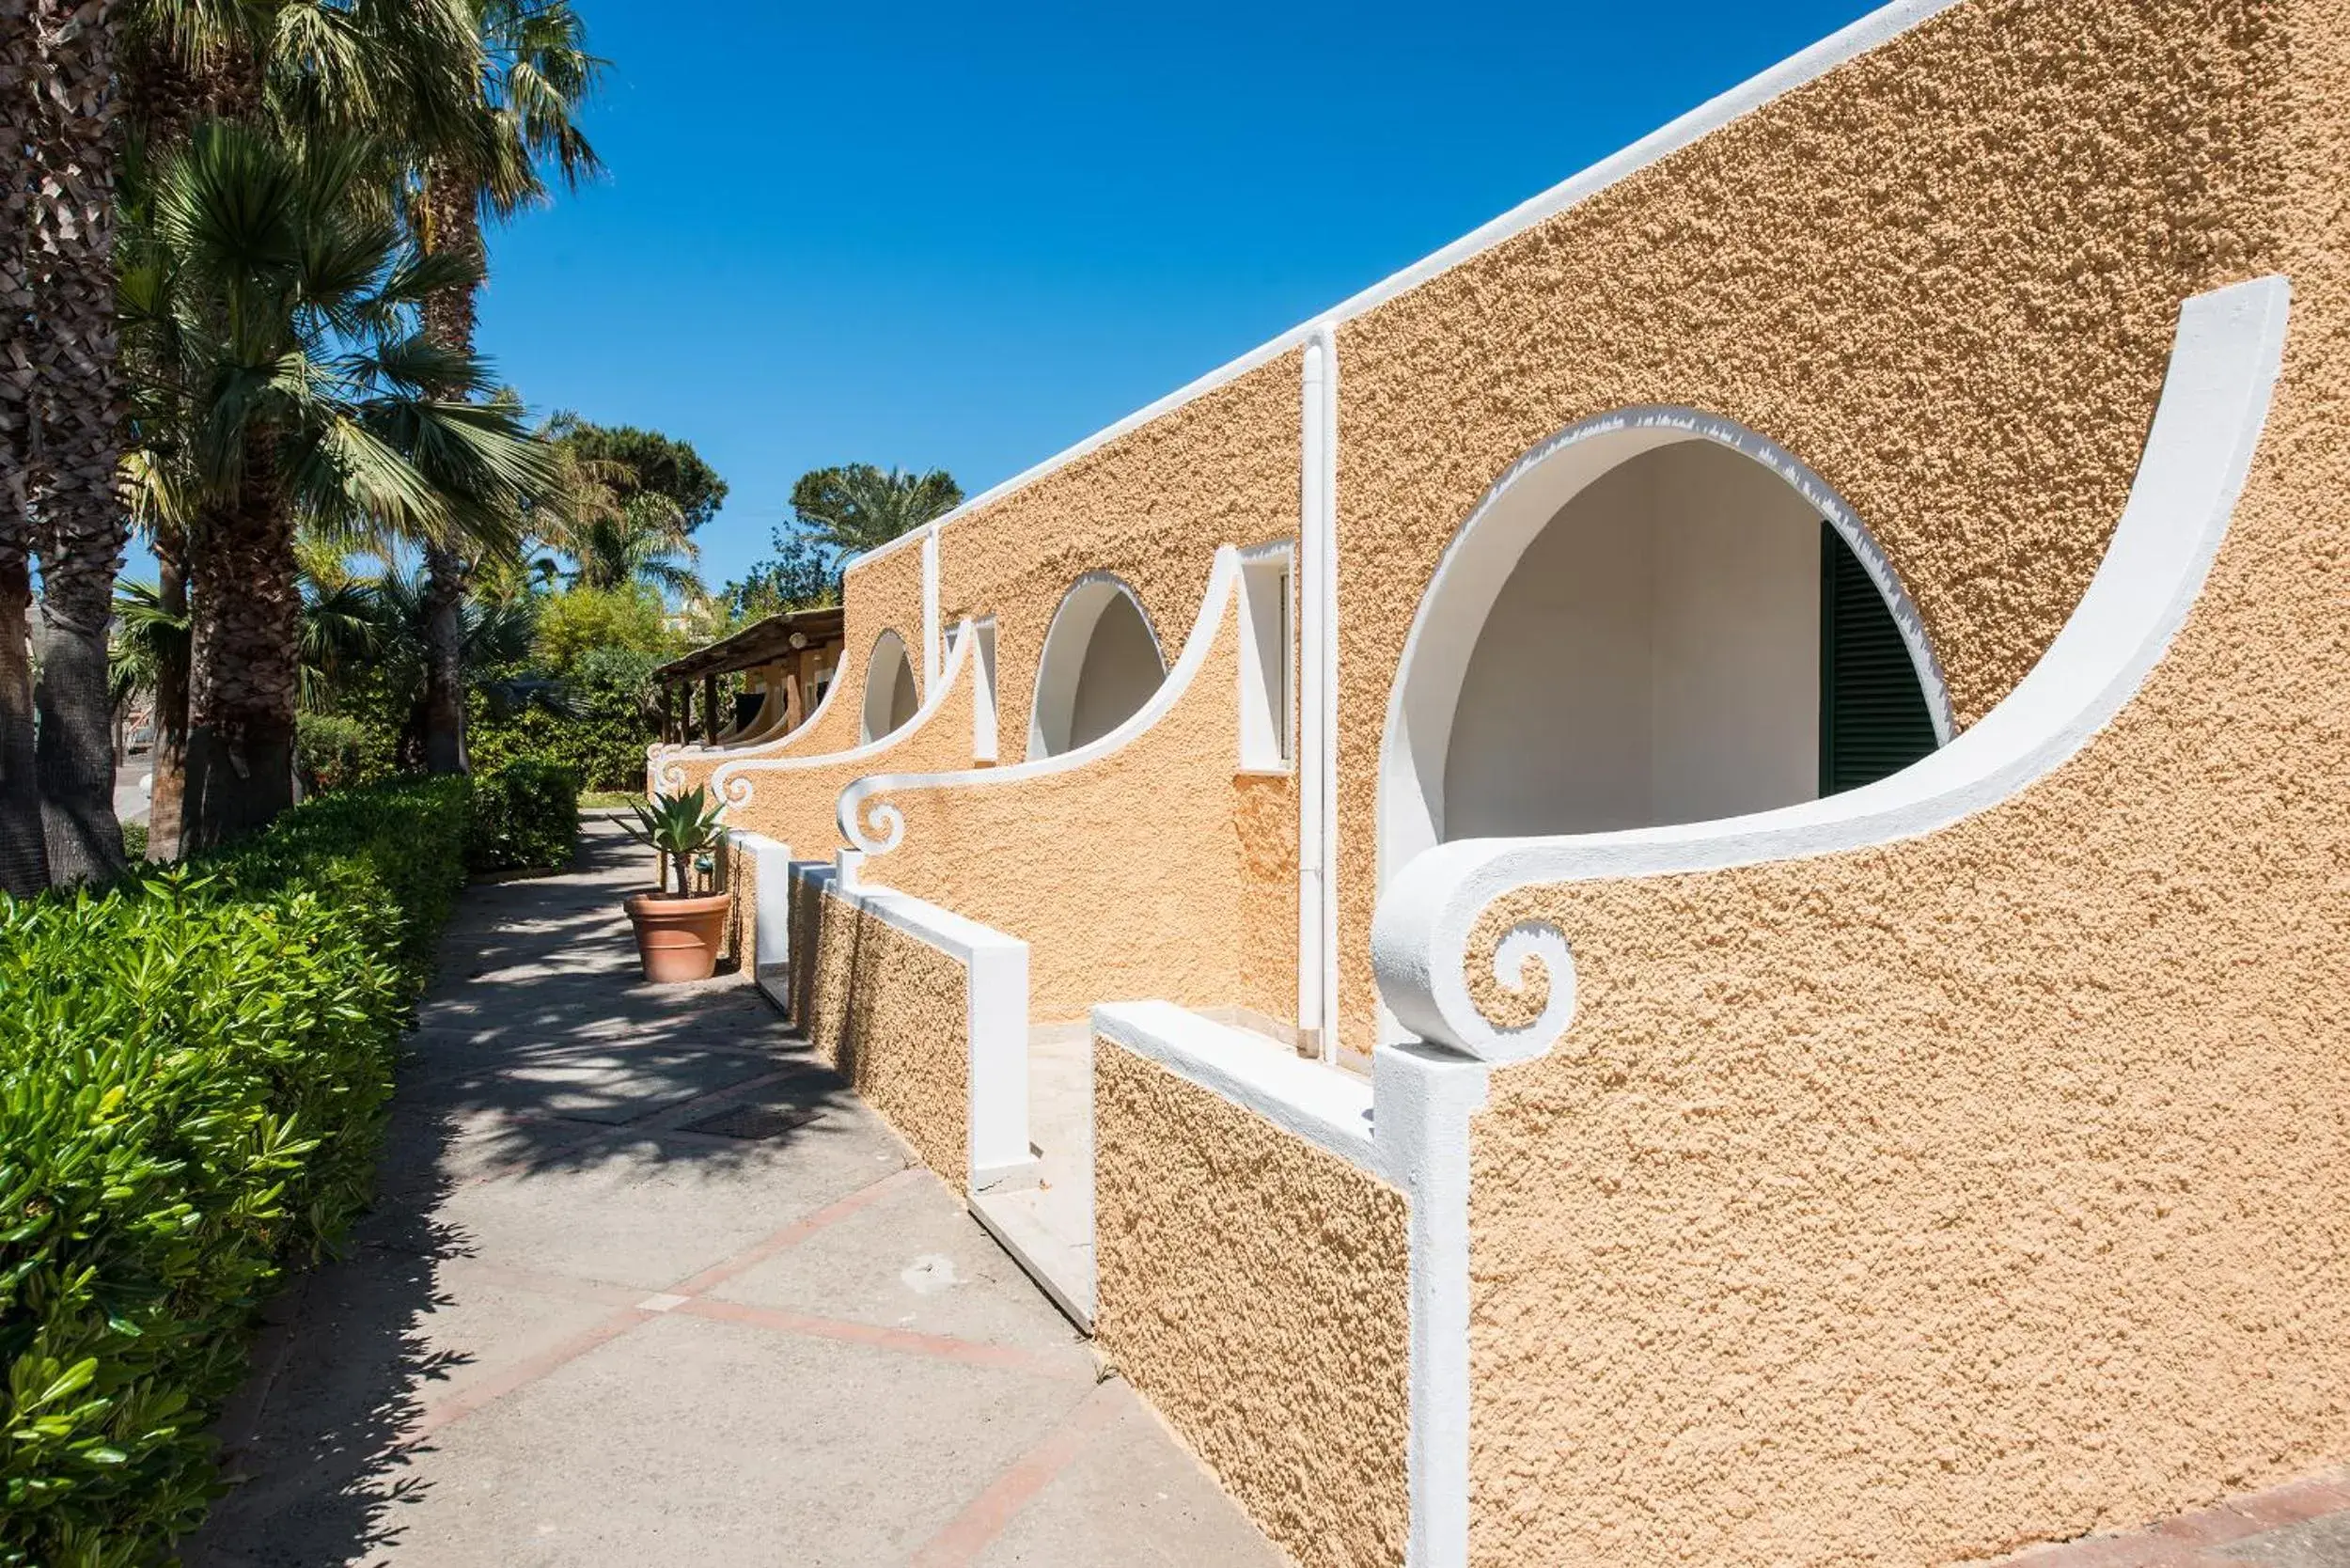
245, 662
77, 435
171, 754
441, 710
24, 858
452, 225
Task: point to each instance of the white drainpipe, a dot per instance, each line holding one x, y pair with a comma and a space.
933, 653
1318, 695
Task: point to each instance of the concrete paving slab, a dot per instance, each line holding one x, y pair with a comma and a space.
911, 1262
630, 1214
2323, 1543
740, 1447
1133, 1498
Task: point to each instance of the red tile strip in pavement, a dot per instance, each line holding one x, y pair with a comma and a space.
528, 1370
971, 1352
2197, 1540
797, 1232
969, 1532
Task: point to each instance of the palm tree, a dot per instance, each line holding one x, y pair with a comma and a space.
495, 636
397, 74
275, 311
61, 410
626, 548
536, 72
858, 507
617, 531
23, 857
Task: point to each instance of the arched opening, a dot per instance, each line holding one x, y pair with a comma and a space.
1101, 664
890, 698
1655, 618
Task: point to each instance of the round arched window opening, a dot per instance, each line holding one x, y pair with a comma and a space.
1654, 617
890, 697
1101, 664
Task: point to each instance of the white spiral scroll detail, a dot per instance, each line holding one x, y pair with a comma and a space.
868, 822
733, 787
669, 777
1539, 943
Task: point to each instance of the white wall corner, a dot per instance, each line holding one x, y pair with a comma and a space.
997, 1020
1424, 1097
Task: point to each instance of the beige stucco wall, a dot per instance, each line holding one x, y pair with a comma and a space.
1150, 507
1254, 1288
796, 806
887, 1010
1945, 275
1913, 1204
1149, 874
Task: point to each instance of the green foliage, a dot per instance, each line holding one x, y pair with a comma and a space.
803, 576
602, 736
648, 462
858, 507
339, 751
678, 828
134, 841
194, 1072
571, 624
525, 818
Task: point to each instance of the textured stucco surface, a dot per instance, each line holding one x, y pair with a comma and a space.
1149, 508
1254, 1288
1129, 877
742, 888
1913, 1204
889, 1010
796, 806
1945, 275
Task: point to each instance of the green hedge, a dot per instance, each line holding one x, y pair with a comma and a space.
194, 1074
525, 818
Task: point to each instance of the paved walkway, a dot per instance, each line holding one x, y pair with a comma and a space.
647, 1287
2305, 1524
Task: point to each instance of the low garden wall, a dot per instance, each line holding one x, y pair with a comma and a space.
1255, 1287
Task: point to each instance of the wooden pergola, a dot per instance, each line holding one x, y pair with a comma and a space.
781, 646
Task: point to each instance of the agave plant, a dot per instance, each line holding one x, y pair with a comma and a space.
679, 828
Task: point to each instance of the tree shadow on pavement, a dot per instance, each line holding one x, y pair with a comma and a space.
540, 1057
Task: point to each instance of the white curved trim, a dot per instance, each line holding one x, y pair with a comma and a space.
868, 732
669, 765
2224, 365
888, 824
732, 784
1053, 694
1871, 32
1484, 550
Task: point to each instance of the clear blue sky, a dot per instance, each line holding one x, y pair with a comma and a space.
965, 235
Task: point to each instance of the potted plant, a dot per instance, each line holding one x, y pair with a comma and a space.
677, 933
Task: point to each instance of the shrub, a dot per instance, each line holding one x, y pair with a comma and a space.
525, 818
603, 740
134, 841
336, 751
194, 1074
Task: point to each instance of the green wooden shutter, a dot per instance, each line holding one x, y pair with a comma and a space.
1873, 719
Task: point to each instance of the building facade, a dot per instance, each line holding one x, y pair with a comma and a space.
1672, 888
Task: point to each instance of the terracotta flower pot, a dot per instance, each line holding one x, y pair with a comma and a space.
677, 939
